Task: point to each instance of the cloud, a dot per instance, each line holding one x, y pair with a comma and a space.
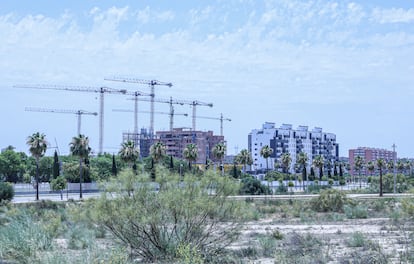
393, 15
278, 56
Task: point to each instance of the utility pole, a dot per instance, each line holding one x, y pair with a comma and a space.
394, 158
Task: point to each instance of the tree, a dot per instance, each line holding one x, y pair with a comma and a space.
400, 166
380, 165
154, 225
58, 184
56, 166
101, 167
370, 167
219, 151
158, 151
266, 152
302, 161
312, 174
128, 152
286, 160
245, 158
318, 162
335, 171
358, 165
190, 153
80, 147
37, 147
341, 170
114, 169
12, 165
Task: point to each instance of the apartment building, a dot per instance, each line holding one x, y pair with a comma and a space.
369, 154
285, 139
177, 139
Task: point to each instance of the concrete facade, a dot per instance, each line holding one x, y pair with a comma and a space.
285, 139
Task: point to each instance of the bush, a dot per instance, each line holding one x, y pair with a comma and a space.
22, 239
355, 212
156, 225
252, 186
6, 191
329, 201
301, 248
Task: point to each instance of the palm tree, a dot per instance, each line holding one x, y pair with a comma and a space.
245, 158
390, 165
318, 162
128, 152
158, 151
370, 167
358, 165
190, 153
400, 166
286, 160
408, 165
219, 151
80, 147
302, 161
266, 152
381, 164
37, 146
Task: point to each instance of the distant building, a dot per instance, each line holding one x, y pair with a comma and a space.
293, 141
142, 140
179, 138
369, 154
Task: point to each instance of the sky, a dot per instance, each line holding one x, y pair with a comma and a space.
345, 66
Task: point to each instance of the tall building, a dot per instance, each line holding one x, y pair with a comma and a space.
369, 154
285, 139
177, 139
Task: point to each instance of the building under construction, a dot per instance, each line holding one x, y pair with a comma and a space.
143, 140
177, 139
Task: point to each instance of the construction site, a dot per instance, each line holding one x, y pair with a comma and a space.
175, 138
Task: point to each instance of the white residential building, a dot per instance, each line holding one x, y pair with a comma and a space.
287, 140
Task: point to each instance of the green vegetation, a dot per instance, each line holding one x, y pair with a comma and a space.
149, 217
6, 192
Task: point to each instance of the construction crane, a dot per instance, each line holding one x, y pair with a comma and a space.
171, 114
79, 113
151, 83
100, 90
193, 103
136, 94
221, 118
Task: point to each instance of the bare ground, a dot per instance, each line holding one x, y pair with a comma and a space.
392, 238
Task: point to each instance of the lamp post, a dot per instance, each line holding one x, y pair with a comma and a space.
395, 176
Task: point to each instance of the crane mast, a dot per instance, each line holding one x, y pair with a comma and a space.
221, 118
79, 113
101, 90
152, 84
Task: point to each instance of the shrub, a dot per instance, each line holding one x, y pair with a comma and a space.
22, 239
252, 186
302, 248
357, 239
187, 210
6, 191
329, 201
80, 237
355, 212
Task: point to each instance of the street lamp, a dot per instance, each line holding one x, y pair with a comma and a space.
394, 157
